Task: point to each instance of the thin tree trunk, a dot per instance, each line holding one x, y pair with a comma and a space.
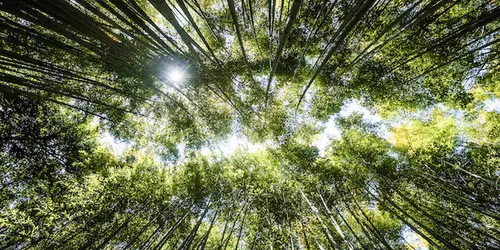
170, 231
326, 231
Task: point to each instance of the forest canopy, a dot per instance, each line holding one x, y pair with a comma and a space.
251, 124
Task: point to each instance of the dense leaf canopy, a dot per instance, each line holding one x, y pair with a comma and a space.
215, 124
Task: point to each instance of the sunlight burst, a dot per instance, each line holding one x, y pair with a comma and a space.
176, 74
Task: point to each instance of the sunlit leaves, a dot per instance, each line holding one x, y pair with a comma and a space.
72, 70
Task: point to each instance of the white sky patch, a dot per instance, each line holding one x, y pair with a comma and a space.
181, 148
308, 101
353, 106
117, 147
237, 83
237, 141
218, 6
228, 147
415, 240
228, 39
390, 138
262, 80
331, 131
310, 60
469, 81
205, 151
406, 117
492, 105
95, 121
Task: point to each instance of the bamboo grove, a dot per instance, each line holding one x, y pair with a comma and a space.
416, 166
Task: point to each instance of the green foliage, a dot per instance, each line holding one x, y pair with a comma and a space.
277, 75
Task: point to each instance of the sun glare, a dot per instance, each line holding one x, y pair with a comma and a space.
176, 74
